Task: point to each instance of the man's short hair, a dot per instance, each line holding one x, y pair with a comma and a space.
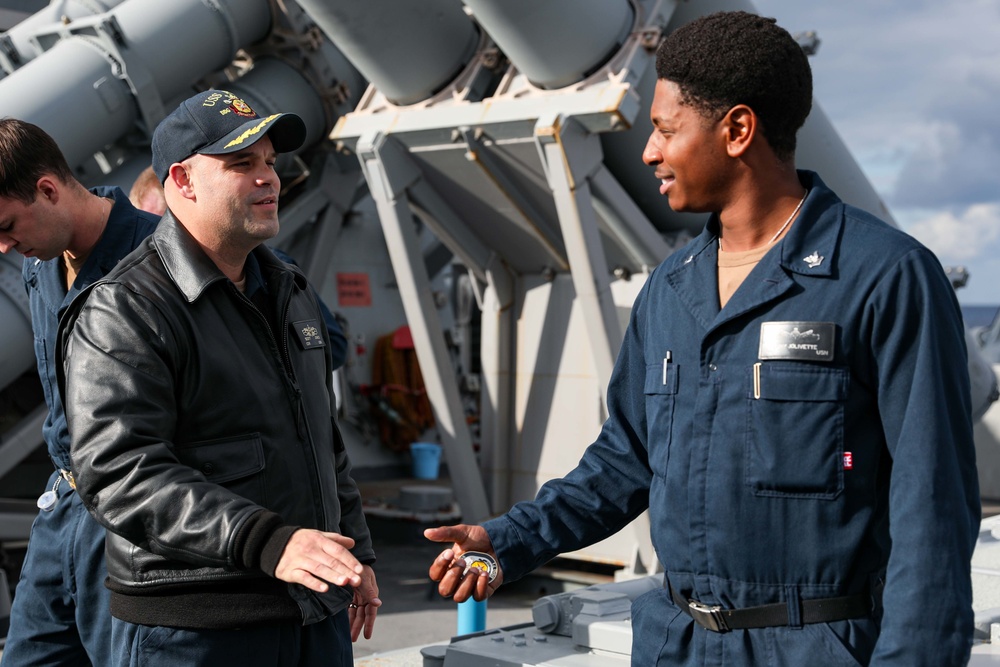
729, 58
27, 153
145, 188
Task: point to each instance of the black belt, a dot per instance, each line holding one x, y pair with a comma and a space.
822, 610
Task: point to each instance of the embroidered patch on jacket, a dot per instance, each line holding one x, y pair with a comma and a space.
309, 333
801, 341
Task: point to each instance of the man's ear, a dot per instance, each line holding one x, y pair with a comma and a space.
179, 176
740, 126
47, 187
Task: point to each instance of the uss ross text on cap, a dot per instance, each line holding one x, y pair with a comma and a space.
216, 122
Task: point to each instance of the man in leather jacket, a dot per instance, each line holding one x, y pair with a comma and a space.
147, 195
197, 384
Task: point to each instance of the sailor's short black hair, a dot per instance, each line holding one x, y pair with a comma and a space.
729, 58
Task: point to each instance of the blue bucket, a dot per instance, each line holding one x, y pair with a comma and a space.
426, 459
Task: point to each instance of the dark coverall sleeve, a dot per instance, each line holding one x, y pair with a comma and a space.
934, 507
608, 488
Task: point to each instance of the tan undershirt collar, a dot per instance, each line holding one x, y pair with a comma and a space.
734, 267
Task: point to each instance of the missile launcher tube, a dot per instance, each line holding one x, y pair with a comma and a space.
71, 93
274, 86
63, 12
85, 95
408, 57
180, 41
526, 30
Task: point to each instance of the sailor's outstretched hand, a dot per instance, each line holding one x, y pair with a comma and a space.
461, 574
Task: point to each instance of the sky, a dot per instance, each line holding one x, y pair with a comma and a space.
913, 88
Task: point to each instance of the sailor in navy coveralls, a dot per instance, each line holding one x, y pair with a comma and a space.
791, 402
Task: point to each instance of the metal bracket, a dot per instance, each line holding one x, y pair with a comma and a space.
10, 57
391, 174
570, 156
105, 34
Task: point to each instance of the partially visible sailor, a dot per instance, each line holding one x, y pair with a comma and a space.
69, 236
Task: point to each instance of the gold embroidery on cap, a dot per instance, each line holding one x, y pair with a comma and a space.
252, 131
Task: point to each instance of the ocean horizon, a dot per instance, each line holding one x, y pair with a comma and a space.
979, 315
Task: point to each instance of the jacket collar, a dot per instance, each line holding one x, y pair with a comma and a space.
185, 262
193, 271
809, 247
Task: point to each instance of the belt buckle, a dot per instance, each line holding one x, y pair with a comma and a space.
708, 616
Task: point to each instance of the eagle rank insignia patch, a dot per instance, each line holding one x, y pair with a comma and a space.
309, 333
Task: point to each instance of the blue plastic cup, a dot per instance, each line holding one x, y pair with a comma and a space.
426, 459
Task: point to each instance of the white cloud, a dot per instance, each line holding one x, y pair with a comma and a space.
969, 238
956, 160
911, 86
972, 234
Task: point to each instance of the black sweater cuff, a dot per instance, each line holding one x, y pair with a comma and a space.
261, 541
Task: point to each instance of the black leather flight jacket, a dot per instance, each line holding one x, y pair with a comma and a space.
202, 438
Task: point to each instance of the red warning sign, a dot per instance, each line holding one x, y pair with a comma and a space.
353, 290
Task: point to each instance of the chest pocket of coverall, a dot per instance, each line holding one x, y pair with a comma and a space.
795, 430
661, 391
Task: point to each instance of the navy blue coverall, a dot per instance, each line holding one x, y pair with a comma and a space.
60, 613
777, 466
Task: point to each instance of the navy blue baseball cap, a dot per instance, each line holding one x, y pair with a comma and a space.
217, 122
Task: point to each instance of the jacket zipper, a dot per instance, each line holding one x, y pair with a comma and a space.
300, 426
